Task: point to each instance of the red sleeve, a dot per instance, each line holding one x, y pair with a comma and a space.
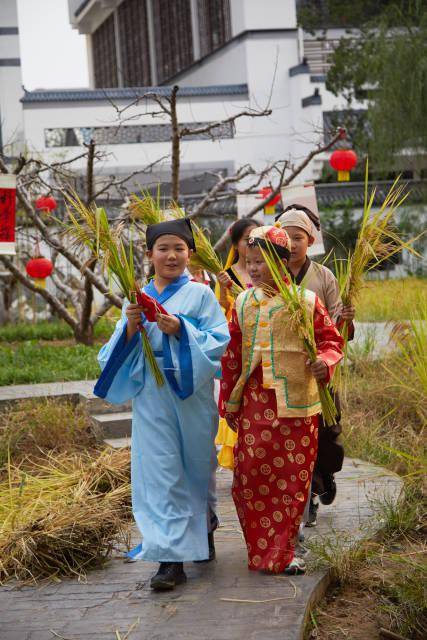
231, 363
328, 339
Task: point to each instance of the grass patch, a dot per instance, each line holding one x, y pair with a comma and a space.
28, 427
384, 421
56, 330
30, 362
388, 300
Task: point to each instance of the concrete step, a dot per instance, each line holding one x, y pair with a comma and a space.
97, 405
113, 425
118, 443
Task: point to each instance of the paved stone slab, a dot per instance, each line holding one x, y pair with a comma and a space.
118, 596
12, 393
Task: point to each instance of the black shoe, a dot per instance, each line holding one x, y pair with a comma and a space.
312, 513
330, 489
212, 552
169, 575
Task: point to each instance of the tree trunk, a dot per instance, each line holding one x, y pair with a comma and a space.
85, 331
84, 335
175, 145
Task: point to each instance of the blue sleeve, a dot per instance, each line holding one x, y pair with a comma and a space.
122, 364
194, 359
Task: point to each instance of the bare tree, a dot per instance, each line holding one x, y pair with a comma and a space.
73, 298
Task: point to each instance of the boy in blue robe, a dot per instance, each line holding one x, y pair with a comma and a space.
174, 425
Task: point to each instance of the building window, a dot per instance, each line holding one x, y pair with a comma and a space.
104, 55
134, 45
214, 24
130, 134
173, 37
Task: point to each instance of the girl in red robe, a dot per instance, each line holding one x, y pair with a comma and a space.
269, 395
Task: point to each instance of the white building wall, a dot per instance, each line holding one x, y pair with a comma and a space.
247, 15
225, 66
11, 124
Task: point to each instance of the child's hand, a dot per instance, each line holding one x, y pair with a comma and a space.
224, 280
232, 421
168, 324
133, 314
348, 313
319, 369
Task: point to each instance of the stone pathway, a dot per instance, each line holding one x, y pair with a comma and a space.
70, 390
118, 596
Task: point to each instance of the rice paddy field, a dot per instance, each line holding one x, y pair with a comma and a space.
388, 300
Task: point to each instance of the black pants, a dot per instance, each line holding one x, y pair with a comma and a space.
330, 455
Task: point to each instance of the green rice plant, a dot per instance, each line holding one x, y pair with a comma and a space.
411, 358
301, 320
376, 242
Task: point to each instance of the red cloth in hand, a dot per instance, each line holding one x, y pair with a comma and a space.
151, 306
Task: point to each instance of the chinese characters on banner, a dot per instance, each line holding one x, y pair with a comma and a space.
7, 214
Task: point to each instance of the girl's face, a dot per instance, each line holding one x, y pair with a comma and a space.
169, 256
300, 241
257, 268
242, 245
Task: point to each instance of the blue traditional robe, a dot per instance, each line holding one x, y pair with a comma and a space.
173, 426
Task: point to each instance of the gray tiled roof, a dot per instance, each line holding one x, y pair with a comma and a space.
128, 93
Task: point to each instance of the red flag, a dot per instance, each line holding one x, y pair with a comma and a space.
151, 306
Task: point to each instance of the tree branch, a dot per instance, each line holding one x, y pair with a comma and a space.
284, 183
52, 300
186, 131
52, 242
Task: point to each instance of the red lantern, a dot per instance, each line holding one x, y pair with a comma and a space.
343, 161
270, 207
46, 203
39, 268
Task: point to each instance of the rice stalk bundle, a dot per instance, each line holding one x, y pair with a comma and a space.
377, 241
205, 256
90, 228
64, 517
301, 320
148, 211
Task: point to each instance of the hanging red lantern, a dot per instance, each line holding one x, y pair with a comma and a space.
39, 268
343, 161
270, 207
46, 203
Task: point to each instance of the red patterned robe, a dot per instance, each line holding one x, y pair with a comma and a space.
274, 457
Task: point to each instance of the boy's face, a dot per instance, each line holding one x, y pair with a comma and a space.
300, 241
257, 268
170, 256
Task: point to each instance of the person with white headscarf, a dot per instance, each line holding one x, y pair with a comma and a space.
300, 222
